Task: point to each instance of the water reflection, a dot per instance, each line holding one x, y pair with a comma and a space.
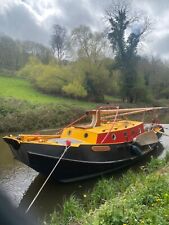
53, 195
15, 178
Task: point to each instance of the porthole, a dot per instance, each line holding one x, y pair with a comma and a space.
69, 132
125, 134
114, 137
86, 135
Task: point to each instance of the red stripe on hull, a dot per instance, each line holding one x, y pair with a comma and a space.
121, 136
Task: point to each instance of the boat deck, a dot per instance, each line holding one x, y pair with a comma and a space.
63, 141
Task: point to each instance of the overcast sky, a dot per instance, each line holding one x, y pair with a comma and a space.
33, 19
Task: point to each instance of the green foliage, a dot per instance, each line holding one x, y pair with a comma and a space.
134, 199
23, 90
16, 115
142, 199
10, 54
75, 89
155, 164
141, 204
51, 79
102, 192
125, 48
165, 93
72, 210
48, 78
94, 79
31, 69
90, 74
155, 75
81, 79
14, 54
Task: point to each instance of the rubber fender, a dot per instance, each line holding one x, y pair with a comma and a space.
135, 150
157, 128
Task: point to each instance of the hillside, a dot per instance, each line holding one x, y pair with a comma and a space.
22, 108
23, 90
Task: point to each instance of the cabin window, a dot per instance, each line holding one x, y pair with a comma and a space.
114, 137
86, 135
69, 132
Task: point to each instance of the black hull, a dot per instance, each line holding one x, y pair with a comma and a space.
70, 170
77, 163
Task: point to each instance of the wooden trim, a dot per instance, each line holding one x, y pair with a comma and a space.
113, 111
103, 148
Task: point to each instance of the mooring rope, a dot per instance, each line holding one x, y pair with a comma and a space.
66, 148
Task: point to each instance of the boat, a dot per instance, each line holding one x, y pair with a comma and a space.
103, 140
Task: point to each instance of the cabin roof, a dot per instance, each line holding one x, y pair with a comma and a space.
105, 127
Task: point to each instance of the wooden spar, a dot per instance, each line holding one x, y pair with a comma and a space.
124, 114
131, 113
113, 111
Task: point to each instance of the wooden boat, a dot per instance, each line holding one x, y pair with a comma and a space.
108, 143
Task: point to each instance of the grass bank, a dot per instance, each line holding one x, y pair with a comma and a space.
18, 115
137, 198
22, 108
22, 90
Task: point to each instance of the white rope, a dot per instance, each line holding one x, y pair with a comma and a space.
111, 126
66, 148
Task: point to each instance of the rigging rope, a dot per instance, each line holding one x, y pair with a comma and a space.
111, 126
66, 148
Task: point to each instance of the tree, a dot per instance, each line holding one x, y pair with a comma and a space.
58, 41
88, 44
90, 53
10, 54
125, 46
31, 48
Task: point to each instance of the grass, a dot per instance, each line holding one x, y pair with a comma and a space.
22, 108
137, 198
23, 90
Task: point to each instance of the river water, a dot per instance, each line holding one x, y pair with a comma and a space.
21, 183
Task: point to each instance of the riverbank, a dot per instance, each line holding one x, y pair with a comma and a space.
21, 115
18, 115
136, 198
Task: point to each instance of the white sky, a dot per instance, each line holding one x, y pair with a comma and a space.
33, 19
